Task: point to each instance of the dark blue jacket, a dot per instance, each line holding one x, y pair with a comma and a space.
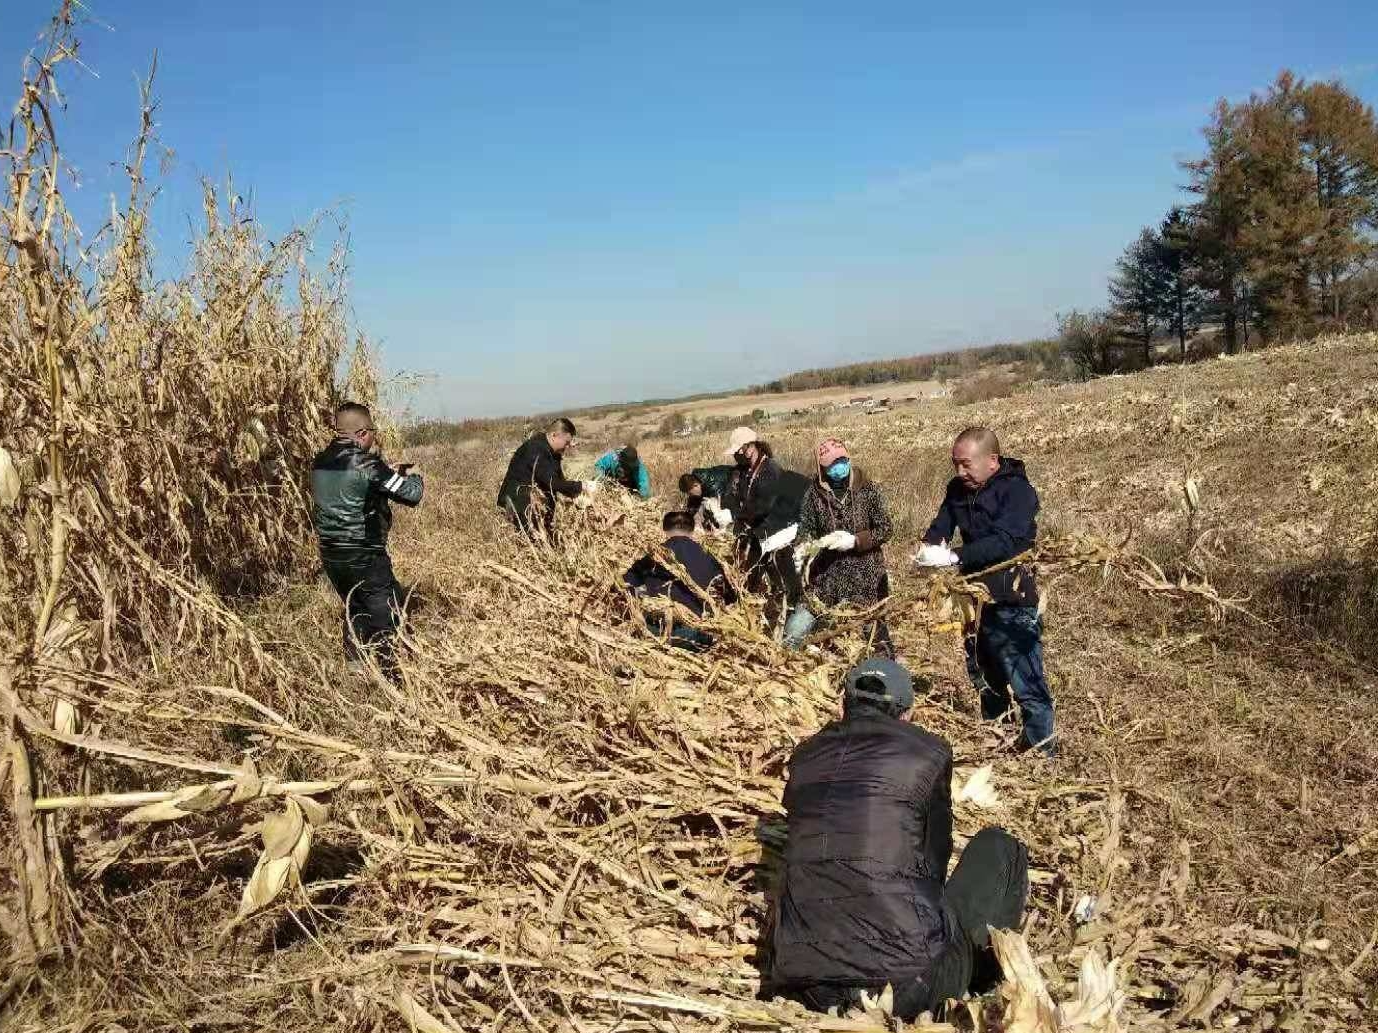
998, 521
655, 579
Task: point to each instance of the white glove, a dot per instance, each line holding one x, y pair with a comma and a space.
838, 541
592, 487
936, 556
723, 517
779, 540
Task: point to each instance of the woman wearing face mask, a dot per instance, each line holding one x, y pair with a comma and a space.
844, 523
764, 500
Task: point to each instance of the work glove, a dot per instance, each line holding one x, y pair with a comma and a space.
779, 540
838, 541
721, 517
592, 487
936, 556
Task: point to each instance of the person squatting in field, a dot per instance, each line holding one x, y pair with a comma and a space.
764, 502
704, 490
991, 502
624, 466
843, 527
649, 577
351, 490
865, 901
536, 475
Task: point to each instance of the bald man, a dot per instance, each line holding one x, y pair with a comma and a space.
351, 490
991, 502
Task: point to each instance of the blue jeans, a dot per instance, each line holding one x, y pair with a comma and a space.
798, 626
802, 622
1004, 658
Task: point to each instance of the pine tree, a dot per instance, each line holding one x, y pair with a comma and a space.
1183, 301
1137, 290
1339, 141
1217, 219
1282, 219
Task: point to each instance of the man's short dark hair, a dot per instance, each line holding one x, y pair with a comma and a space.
564, 425
687, 482
678, 520
352, 409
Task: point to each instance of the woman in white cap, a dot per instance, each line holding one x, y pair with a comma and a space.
765, 503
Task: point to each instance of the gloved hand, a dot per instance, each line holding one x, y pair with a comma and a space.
592, 487
838, 541
936, 556
780, 539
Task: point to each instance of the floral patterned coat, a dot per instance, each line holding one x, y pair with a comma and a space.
857, 578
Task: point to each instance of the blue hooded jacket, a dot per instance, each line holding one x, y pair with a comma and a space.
998, 521
609, 465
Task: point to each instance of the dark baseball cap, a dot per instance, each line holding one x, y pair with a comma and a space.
880, 682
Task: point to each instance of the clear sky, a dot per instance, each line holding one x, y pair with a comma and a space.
558, 204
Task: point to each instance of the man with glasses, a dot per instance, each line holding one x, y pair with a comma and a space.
352, 488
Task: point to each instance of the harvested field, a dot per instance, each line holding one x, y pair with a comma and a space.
558, 823
637, 421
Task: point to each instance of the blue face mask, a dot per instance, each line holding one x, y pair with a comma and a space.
840, 471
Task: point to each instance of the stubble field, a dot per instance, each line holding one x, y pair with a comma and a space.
556, 822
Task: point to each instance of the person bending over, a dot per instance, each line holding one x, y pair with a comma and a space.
624, 466
536, 475
649, 577
705, 490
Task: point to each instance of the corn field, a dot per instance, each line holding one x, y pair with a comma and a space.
554, 821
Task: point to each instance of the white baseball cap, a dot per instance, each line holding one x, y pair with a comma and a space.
741, 437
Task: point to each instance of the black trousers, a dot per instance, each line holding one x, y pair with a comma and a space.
374, 601
775, 573
989, 887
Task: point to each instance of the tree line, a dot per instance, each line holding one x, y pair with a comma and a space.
1276, 240
936, 366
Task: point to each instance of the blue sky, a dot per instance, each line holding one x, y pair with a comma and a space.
560, 204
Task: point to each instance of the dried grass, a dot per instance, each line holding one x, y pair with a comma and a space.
555, 821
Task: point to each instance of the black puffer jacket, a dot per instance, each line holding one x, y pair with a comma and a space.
535, 475
998, 521
350, 492
870, 834
857, 577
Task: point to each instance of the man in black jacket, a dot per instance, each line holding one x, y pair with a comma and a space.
649, 577
351, 488
536, 475
992, 503
865, 901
